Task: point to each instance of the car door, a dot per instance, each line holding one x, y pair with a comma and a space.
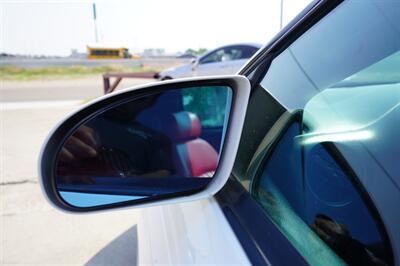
193, 233
315, 179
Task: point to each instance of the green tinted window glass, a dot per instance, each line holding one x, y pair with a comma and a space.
325, 170
206, 104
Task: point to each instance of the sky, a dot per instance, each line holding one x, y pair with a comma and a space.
55, 27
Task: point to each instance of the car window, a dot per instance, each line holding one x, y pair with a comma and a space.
319, 172
246, 51
229, 54
315, 200
213, 57
233, 53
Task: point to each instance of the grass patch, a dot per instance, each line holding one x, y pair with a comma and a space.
64, 72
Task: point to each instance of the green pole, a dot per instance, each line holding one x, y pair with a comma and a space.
94, 11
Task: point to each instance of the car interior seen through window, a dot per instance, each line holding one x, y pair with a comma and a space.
314, 169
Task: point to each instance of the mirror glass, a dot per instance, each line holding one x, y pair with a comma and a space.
155, 146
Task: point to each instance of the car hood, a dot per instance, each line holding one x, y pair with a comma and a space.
176, 71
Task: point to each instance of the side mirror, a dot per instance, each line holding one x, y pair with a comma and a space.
166, 142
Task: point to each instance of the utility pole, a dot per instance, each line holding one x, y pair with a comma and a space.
281, 21
96, 34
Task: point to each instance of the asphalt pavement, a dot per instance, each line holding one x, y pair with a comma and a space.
31, 231
58, 90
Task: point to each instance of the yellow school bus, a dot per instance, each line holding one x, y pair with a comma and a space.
108, 52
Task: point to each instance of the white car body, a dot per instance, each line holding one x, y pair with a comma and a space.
193, 233
224, 60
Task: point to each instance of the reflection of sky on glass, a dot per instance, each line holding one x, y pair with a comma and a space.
344, 110
89, 200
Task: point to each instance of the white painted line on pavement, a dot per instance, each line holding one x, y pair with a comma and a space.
38, 104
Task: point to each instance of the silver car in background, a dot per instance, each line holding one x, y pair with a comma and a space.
220, 61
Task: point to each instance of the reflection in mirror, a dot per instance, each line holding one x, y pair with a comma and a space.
153, 146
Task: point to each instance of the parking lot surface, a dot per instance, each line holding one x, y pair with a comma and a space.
31, 231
